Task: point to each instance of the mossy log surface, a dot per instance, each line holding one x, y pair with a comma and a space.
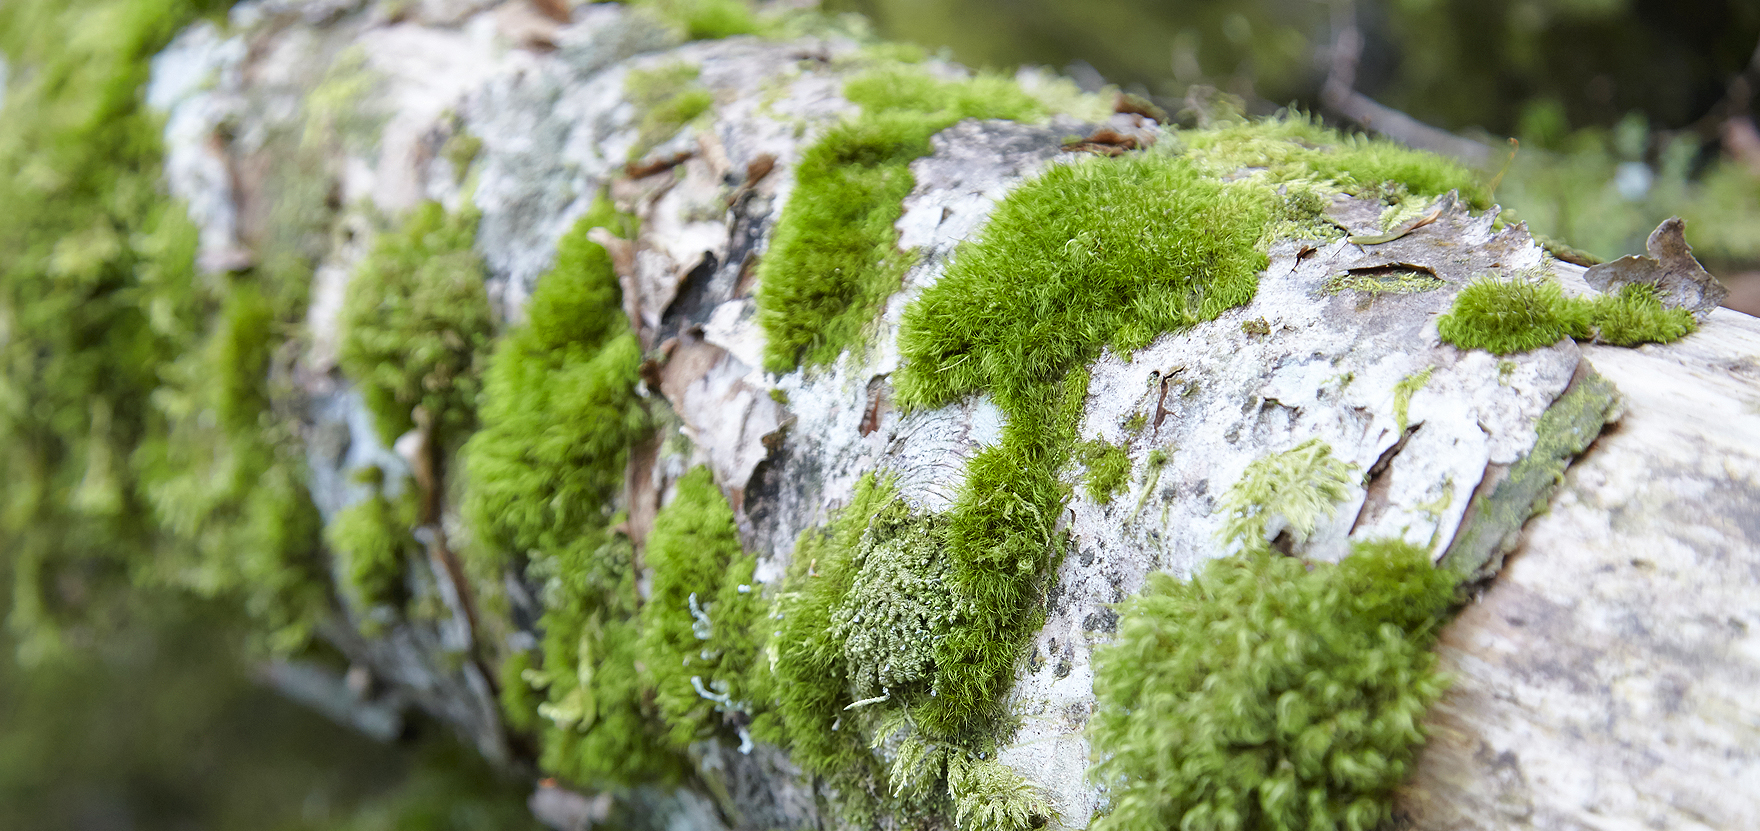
1603, 677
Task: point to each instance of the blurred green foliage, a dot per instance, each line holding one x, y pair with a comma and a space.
1617, 104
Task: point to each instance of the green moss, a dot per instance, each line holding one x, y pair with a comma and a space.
704, 623
1267, 694
1294, 148
1505, 316
707, 19
834, 256
416, 324
372, 542
1508, 316
1109, 469
1390, 281
1403, 392
559, 412
136, 443
668, 98
812, 674
1291, 491
1634, 316
1118, 251
898, 606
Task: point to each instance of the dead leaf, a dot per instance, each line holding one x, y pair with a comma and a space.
1680, 281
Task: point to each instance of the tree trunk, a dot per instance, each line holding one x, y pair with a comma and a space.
1602, 679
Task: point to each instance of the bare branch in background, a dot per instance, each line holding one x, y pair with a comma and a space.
1340, 96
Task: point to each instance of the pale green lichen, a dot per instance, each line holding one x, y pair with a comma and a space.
1291, 492
899, 605
1403, 392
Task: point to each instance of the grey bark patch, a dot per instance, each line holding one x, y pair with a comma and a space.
1680, 282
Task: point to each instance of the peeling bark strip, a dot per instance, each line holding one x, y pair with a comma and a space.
1467, 456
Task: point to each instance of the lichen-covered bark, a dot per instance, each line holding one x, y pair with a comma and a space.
1620, 621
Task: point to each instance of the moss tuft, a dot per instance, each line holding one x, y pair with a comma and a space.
416, 324
559, 412
707, 19
1508, 316
1284, 492
1109, 468
834, 256
702, 626
1515, 315
372, 543
1266, 696
1403, 392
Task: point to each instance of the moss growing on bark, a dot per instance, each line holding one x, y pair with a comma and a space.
136, 445
1283, 492
1505, 316
834, 257
704, 624
559, 412
1265, 695
1109, 469
416, 324
372, 543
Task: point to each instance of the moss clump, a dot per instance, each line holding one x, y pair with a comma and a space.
1294, 148
857, 656
1284, 492
1109, 468
559, 412
1634, 316
1515, 315
707, 19
372, 543
416, 324
1266, 694
668, 97
834, 257
1508, 316
812, 674
703, 624
1102, 252
133, 440
897, 607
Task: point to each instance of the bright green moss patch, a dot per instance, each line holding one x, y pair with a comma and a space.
416, 324
1634, 316
559, 412
1509, 316
1101, 252
704, 623
1283, 492
1267, 694
1505, 316
1096, 253
812, 673
372, 543
1109, 469
668, 97
834, 256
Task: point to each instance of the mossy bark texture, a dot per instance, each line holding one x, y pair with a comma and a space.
765, 431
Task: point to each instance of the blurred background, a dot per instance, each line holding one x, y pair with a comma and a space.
1626, 112
1623, 113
